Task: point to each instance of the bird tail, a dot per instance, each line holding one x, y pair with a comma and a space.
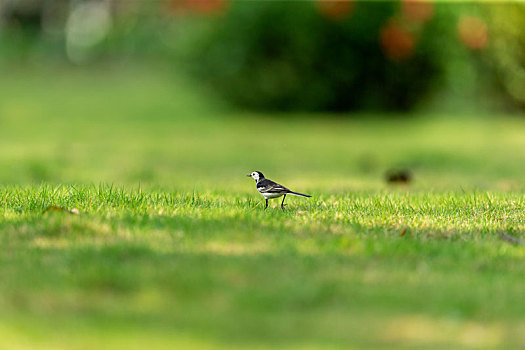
299, 194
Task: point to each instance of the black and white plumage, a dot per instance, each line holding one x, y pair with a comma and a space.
269, 189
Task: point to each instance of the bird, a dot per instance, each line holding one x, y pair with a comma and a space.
269, 189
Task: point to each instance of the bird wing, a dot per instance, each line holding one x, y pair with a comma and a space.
268, 186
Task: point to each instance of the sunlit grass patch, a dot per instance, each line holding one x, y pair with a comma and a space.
173, 259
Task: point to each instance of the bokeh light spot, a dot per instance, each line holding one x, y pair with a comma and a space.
87, 25
396, 41
335, 9
473, 32
417, 10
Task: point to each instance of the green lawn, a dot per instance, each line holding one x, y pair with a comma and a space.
172, 247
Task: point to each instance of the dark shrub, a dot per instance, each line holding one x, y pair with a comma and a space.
298, 56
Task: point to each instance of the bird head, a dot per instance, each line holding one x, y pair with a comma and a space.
256, 175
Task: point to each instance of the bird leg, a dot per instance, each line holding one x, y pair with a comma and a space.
266, 206
282, 203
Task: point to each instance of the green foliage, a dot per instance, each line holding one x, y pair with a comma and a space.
506, 52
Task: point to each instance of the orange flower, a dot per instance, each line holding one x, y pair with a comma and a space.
397, 42
335, 9
473, 32
417, 10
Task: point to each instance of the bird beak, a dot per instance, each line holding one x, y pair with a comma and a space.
249, 175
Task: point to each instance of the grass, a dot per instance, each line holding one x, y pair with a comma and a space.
172, 248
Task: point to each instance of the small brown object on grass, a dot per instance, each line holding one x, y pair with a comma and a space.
398, 176
54, 208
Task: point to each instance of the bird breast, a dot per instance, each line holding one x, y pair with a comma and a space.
271, 195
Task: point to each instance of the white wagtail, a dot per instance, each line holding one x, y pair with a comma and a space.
269, 189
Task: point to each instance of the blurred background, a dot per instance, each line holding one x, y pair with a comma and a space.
159, 90
320, 55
